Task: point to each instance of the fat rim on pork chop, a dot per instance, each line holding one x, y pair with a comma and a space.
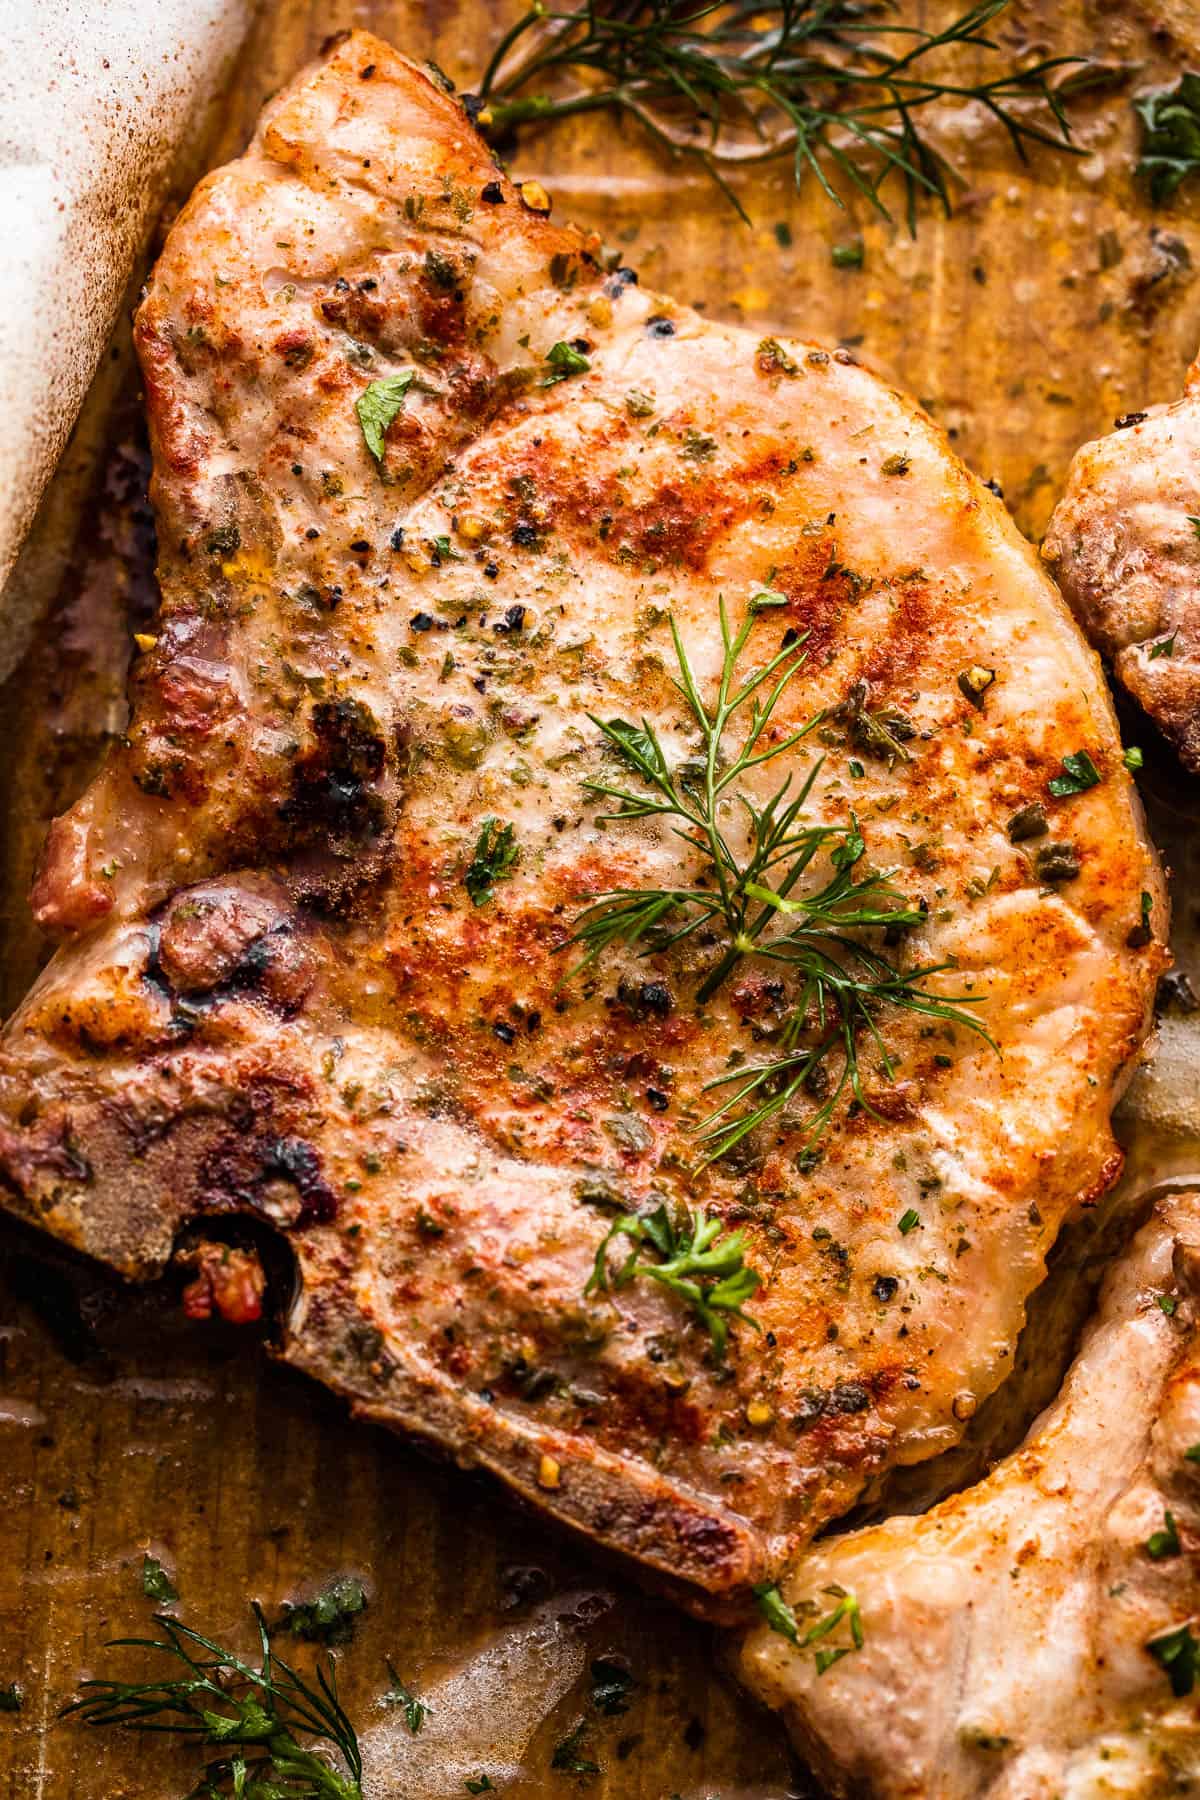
443, 501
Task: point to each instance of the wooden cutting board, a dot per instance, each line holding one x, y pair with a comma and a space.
1052, 301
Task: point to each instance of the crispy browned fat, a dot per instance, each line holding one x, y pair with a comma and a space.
386, 624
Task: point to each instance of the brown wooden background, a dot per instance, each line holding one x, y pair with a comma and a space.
1051, 302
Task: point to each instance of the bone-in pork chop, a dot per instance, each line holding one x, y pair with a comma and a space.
1124, 543
434, 488
1036, 1637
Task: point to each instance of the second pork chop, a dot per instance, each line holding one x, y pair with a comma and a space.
434, 492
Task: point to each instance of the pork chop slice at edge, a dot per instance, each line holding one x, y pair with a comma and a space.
278, 996
1124, 545
1033, 1637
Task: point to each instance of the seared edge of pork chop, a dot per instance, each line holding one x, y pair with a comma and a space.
1008, 1633
1124, 544
278, 997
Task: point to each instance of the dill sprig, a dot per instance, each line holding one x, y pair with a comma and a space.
828, 83
842, 987
700, 1264
255, 1716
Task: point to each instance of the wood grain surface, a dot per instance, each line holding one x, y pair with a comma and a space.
1053, 300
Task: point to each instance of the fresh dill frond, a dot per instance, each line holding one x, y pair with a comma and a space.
255, 1717
829, 84
749, 895
699, 1263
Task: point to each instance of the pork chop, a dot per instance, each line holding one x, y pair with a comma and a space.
1124, 543
1036, 1637
434, 487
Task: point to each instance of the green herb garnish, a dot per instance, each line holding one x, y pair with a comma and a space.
567, 1755
330, 1616
701, 1265
908, 1221
496, 856
1170, 136
11, 1698
1179, 1654
415, 1711
781, 1617
842, 985
156, 1583
564, 361
1133, 759
833, 89
1164, 647
1167, 1303
1079, 773
611, 1683
1164, 1543
1194, 522
256, 1717
379, 404
1192, 1453
481, 1785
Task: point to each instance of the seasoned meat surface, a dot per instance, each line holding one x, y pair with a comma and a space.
1035, 1637
1124, 543
316, 914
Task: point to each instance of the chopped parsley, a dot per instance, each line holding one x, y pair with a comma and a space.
773, 359
378, 405
781, 1618
1142, 934
563, 361
908, 1221
567, 1755
496, 856
1164, 1543
847, 256
1194, 522
1164, 647
156, 1583
1168, 1303
1192, 1454
611, 1683
331, 1614
1133, 759
1079, 773
697, 446
1178, 1652
415, 1711
1170, 151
